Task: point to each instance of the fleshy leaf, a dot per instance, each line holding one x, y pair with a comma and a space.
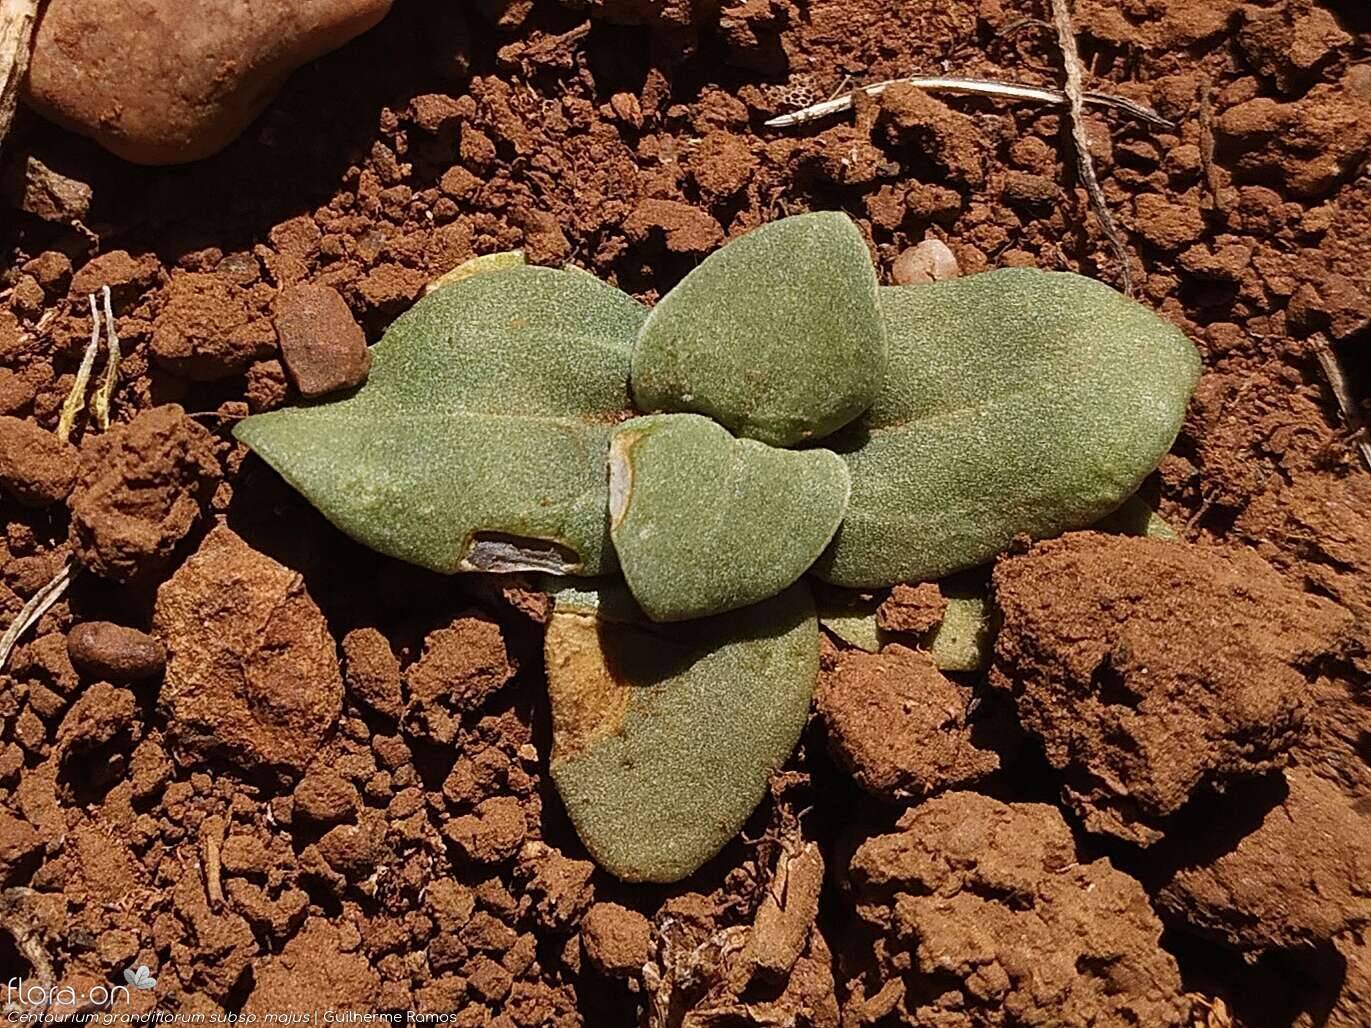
961, 642
1135, 517
664, 736
777, 335
479, 440
705, 523
1017, 401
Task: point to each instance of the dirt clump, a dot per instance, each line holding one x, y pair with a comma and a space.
323, 348
912, 118
36, 468
126, 275
97, 735
372, 671
1288, 43
324, 797
912, 609
1302, 876
1151, 670
982, 916
323, 962
682, 228
140, 490
100, 649
559, 886
462, 666
252, 673
20, 849
616, 939
492, 833
210, 327
899, 725
1310, 145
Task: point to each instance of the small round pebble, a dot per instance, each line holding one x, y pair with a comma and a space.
115, 653
930, 261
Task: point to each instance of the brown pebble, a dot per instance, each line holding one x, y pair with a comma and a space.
616, 939
322, 346
115, 653
36, 468
930, 261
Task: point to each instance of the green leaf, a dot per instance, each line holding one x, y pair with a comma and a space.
478, 442
1017, 401
1135, 517
704, 523
961, 642
777, 336
664, 736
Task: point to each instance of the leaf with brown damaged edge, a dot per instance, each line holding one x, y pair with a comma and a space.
705, 523
478, 442
664, 736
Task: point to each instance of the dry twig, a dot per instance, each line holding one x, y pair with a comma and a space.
100, 402
970, 87
17, 18
1066, 39
211, 846
1337, 382
37, 606
76, 398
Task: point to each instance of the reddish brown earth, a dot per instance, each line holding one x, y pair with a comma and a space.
335, 789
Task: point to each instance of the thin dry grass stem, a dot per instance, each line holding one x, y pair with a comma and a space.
1342, 393
1212, 183
1066, 40
17, 18
75, 402
970, 87
100, 402
37, 606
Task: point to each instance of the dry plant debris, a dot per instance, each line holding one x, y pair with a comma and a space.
17, 18
1066, 39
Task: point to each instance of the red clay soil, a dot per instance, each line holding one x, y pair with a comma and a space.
334, 792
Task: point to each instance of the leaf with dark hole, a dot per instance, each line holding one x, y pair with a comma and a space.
478, 442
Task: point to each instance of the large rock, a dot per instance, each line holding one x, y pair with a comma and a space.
1153, 671
252, 676
167, 81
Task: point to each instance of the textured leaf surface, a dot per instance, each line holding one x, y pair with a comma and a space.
479, 440
704, 523
777, 336
664, 736
1016, 401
